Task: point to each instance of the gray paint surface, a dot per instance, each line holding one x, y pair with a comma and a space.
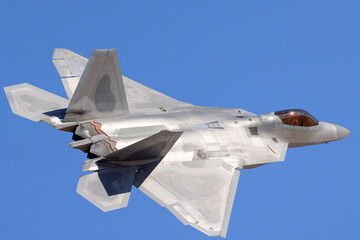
186, 158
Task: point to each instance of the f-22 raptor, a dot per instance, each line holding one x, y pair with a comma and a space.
186, 158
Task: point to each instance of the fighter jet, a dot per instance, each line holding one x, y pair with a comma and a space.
186, 158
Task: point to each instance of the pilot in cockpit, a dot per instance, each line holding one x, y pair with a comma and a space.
297, 117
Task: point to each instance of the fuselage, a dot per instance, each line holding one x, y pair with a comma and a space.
222, 130
184, 157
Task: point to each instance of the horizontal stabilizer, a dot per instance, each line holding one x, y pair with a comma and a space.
34, 103
100, 92
108, 189
151, 149
70, 67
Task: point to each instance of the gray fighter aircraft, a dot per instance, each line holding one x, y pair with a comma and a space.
186, 158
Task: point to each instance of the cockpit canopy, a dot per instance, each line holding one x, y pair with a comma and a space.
297, 117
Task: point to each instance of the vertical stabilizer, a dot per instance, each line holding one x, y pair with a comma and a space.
100, 92
70, 66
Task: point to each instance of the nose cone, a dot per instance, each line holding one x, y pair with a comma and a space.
341, 131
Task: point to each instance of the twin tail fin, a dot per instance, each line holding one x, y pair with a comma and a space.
99, 92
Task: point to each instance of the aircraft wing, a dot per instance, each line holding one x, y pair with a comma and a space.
198, 193
141, 97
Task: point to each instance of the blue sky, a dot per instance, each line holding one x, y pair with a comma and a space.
257, 55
